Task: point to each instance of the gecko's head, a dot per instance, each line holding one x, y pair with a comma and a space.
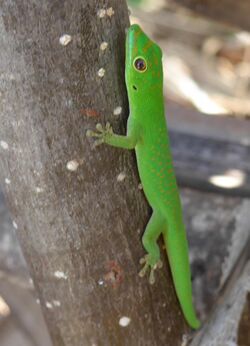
143, 63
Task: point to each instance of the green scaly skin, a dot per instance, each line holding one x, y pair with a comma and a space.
147, 134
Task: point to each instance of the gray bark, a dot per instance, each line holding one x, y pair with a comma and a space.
79, 229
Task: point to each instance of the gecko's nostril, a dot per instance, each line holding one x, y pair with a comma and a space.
134, 87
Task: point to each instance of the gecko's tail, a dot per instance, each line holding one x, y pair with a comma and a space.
177, 250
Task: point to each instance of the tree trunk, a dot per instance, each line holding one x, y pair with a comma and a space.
229, 11
78, 211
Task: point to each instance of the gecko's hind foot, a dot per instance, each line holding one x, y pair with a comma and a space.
150, 264
101, 134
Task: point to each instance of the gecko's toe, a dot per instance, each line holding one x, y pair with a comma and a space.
143, 259
152, 276
99, 127
144, 270
98, 142
89, 133
159, 264
148, 264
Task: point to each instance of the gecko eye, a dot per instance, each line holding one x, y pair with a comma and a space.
140, 64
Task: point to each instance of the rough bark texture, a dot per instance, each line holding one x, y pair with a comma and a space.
229, 11
79, 229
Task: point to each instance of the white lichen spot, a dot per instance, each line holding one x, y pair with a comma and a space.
121, 176
60, 275
110, 12
169, 329
49, 305
7, 181
38, 301
100, 282
117, 110
68, 103
65, 39
4, 145
36, 172
124, 321
14, 224
39, 189
11, 76
101, 72
72, 165
140, 187
101, 13
31, 282
56, 303
103, 45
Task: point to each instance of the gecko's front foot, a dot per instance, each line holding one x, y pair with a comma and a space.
102, 134
150, 264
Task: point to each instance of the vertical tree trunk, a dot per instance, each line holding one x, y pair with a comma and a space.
78, 211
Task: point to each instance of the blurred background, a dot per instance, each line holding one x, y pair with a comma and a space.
206, 63
207, 92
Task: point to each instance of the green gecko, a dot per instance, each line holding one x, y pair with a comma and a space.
147, 134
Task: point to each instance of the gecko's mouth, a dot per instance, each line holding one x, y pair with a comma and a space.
134, 87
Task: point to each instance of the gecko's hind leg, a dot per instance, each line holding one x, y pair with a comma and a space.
152, 260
